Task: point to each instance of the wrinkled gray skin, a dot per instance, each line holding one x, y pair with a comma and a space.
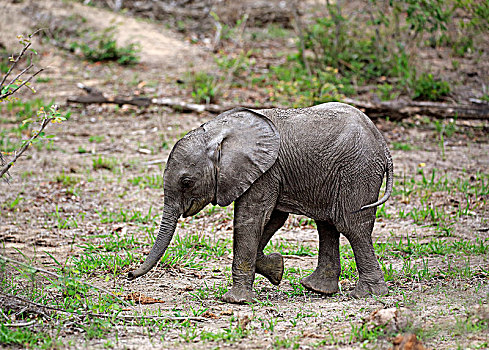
326, 162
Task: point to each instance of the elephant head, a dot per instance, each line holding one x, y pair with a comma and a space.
215, 163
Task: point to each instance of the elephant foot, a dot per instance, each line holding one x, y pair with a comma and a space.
316, 282
272, 267
238, 296
364, 289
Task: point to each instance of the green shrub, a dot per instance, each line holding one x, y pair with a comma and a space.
291, 84
204, 87
428, 88
103, 47
350, 52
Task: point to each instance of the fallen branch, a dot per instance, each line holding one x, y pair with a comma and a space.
186, 107
38, 269
395, 110
93, 314
22, 324
95, 96
399, 109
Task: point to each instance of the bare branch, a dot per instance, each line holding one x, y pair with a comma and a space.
23, 83
14, 63
26, 145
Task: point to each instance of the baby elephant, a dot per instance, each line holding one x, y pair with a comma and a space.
326, 162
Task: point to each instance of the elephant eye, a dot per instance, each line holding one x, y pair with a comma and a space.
187, 182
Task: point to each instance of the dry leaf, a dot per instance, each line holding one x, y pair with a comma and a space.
140, 298
407, 342
209, 314
243, 322
227, 312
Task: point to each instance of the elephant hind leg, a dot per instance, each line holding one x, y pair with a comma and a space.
271, 266
325, 278
370, 275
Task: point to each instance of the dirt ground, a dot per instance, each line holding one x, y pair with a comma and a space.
432, 236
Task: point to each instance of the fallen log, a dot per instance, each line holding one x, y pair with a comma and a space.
399, 109
394, 110
95, 96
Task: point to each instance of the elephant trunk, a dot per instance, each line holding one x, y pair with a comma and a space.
165, 234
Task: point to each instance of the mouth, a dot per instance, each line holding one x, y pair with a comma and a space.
194, 208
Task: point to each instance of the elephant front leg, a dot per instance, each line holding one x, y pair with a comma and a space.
325, 278
247, 230
251, 212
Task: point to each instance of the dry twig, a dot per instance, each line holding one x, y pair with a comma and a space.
4, 95
5, 168
93, 314
38, 269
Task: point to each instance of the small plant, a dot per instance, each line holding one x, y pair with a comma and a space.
104, 163
103, 47
386, 92
295, 86
152, 181
204, 87
96, 138
402, 146
428, 88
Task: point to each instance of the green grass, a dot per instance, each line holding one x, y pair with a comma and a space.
103, 262
399, 146
151, 181
288, 248
103, 47
204, 87
63, 222
231, 334
23, 109
104, 163
67, 292
67, 180
12, 204
43, 80
96, 138
111, 243
25, 338
421, 194
428, 88
194, 251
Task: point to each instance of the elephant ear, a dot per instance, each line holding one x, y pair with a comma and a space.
245, 145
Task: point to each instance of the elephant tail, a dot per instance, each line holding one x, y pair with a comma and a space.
389, 171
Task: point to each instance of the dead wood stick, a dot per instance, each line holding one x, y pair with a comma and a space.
93, 314
22, 324
38, 269
399, 109
94, 96
395, 110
